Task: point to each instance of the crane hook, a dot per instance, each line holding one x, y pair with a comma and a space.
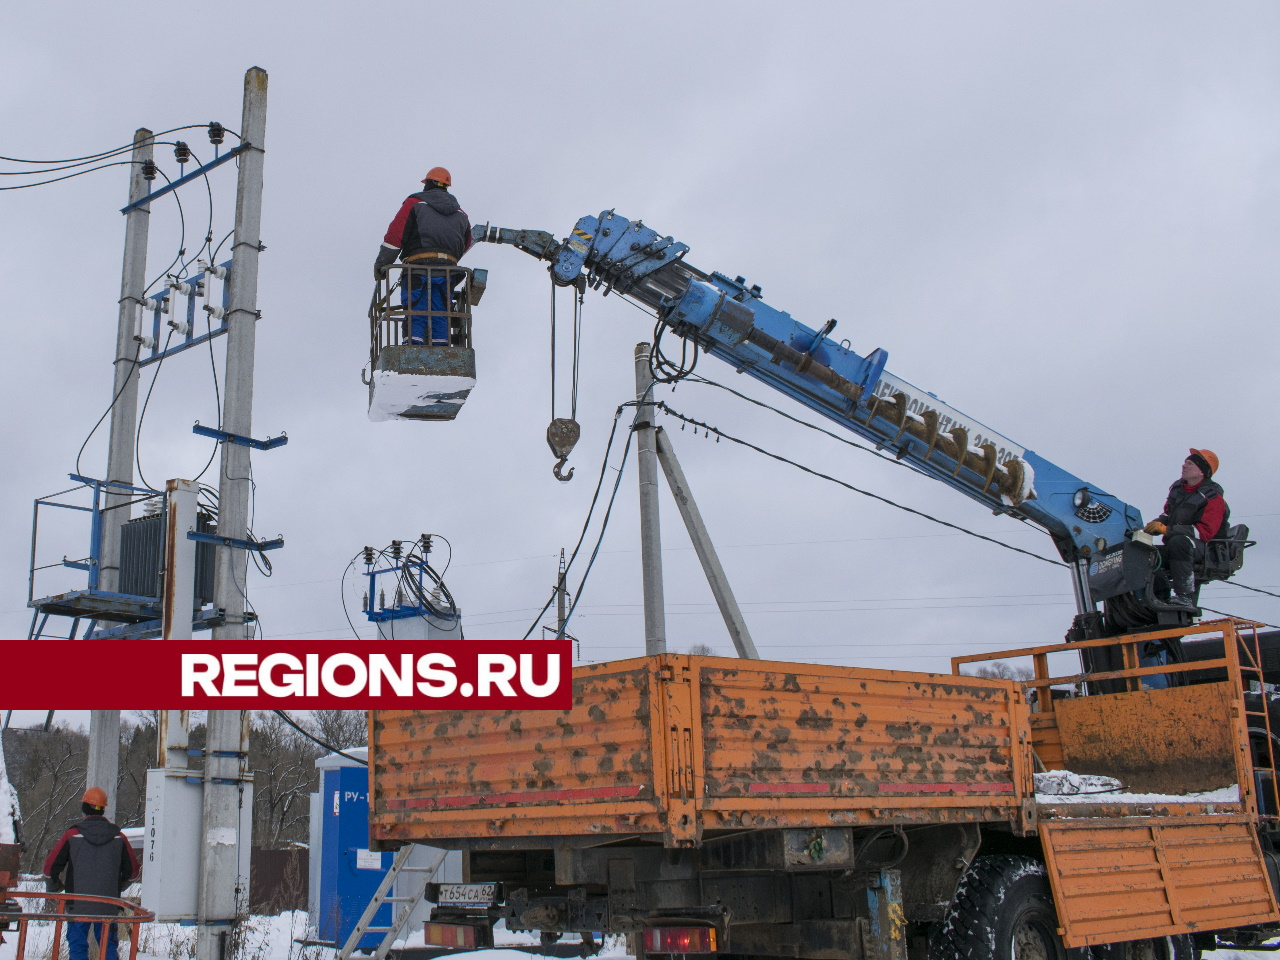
562, 435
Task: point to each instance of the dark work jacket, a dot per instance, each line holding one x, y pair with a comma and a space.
97, 859
1188, 507
429, 222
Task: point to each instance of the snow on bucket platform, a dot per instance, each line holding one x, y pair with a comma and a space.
415, 382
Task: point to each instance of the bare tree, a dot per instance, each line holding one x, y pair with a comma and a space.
47, 770
283, 762
702, 650
1001, 670
341, 728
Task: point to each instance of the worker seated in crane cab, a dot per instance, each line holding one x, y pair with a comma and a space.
422, 364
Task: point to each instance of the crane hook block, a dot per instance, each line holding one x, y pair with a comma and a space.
562, 436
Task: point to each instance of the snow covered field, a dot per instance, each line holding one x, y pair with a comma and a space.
265, 938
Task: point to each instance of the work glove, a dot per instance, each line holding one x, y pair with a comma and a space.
386, 257
52, 885
1155, 528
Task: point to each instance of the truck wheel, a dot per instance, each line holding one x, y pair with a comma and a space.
1180, 946
1003, 910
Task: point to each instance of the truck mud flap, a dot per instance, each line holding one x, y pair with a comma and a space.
1131, 879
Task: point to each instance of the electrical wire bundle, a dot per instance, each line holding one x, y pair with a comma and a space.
177, 269
100, 161
410, 567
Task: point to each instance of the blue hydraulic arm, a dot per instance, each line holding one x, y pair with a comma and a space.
729, 320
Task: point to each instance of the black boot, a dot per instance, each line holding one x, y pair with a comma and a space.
1184, 591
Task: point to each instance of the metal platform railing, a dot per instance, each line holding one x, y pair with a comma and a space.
55, 911
423, 303
1241, 667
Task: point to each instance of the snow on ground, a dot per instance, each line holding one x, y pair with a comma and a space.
275, 938
263, 938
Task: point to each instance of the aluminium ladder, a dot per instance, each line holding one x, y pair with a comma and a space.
383, 895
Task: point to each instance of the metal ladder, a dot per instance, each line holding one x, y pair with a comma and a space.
382, 895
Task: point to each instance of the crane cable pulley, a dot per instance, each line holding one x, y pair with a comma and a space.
563, 432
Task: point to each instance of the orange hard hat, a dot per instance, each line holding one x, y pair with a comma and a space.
95, 796
440, 175
1208, 456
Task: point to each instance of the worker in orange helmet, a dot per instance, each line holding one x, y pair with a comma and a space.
93, 858
430, 228
1194, 513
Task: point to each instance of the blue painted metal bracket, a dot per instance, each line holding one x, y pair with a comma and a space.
197, 172
221, 435
258, 545
191, 339
185, 345
113, 484
148, 629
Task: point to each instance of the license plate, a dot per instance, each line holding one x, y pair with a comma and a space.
467, 894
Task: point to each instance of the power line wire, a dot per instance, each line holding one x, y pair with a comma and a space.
80, 173
314, 739
595, 496
128, 146
1254, 589
848, 486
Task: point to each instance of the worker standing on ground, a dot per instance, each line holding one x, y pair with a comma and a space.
97, 861
430, 229
1194, 513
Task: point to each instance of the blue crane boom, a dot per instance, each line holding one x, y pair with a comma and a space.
731, 321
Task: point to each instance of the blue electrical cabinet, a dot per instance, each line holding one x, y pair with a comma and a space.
349, 872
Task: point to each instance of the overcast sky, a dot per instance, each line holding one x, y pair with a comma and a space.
1059, 217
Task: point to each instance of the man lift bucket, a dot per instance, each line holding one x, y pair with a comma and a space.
422, 366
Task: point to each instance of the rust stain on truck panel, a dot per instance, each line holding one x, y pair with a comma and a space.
675, 744
854, 733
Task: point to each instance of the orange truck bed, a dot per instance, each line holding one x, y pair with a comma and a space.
771, 789
682, 746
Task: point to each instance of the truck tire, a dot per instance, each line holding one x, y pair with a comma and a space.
1003, 910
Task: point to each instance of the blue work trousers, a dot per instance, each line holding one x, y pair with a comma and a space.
1154, 655
78, 939
432, 295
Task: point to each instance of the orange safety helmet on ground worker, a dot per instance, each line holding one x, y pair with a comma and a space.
439, 175
95, 796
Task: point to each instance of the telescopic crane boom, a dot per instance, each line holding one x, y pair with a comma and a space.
730, 320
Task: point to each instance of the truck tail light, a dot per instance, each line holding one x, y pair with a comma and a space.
450, 935
682, 940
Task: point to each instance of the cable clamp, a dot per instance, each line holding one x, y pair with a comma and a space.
642, 425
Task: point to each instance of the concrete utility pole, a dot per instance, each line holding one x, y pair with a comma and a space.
655, 625
228, 739
705, 549
104, 725
561, 597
